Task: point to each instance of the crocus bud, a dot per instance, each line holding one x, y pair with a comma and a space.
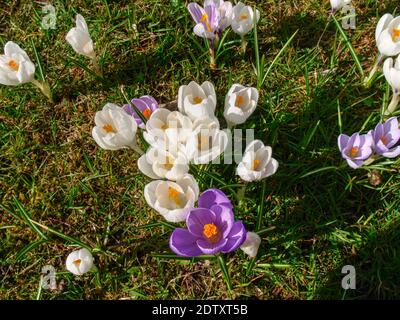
79, 261
251, 244
79, 38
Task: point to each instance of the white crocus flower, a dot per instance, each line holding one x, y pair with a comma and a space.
79, 261
387, 35
115, 129
251, 244
198, 102
386, 41
240, 103
15, 66
339, 4
257, 162
207, 141
167, 129
172, 200
243, 19
79, 38
391, 70
162, 164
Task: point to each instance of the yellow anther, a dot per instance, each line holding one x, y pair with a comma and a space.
13, 65
173, 194
354, 152
109, 128
395, 34
256, 163
239, 101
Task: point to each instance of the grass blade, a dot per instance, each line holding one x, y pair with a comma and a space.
25, 216
258, 224
278, 56
87, 69
348, 44
225, 272
33, 245
261, 206
63, 236
37, 58
175, 257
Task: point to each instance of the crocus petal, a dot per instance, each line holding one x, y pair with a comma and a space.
146, 168
343, 139
211, 248
183, 243
382, 24
224, 218
212, 197
236, 237
251, 245
196, 11
197, 218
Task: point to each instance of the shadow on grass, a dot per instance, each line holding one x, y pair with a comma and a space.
377, 265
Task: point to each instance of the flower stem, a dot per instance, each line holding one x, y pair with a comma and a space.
45, 88
213, 65
241, 194
393, 104
136, 148
372, 75
96, 67
244, 45
371, 159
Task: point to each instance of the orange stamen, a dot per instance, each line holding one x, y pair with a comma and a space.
204, 19
77, 262
210, 230
197, 100
256, 163
173, 194
109, 128
147, 113
13, 65
243, 16
239, 101
354, 152
395, 34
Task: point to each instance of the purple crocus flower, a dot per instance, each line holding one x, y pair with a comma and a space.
146, 105
211, 20
356, 149
386, 136
206, 19
211, 228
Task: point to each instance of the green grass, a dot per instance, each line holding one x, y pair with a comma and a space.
58, 190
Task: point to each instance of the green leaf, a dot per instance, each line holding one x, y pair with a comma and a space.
278, 56
348, 44
25, 217
33, 245
225, 272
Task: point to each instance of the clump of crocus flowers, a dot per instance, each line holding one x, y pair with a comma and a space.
217, 15
360, 149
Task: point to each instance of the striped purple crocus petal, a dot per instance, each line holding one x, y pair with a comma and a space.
386, 137
196, 12
212, 14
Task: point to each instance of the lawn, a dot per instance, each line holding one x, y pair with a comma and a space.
59, 190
